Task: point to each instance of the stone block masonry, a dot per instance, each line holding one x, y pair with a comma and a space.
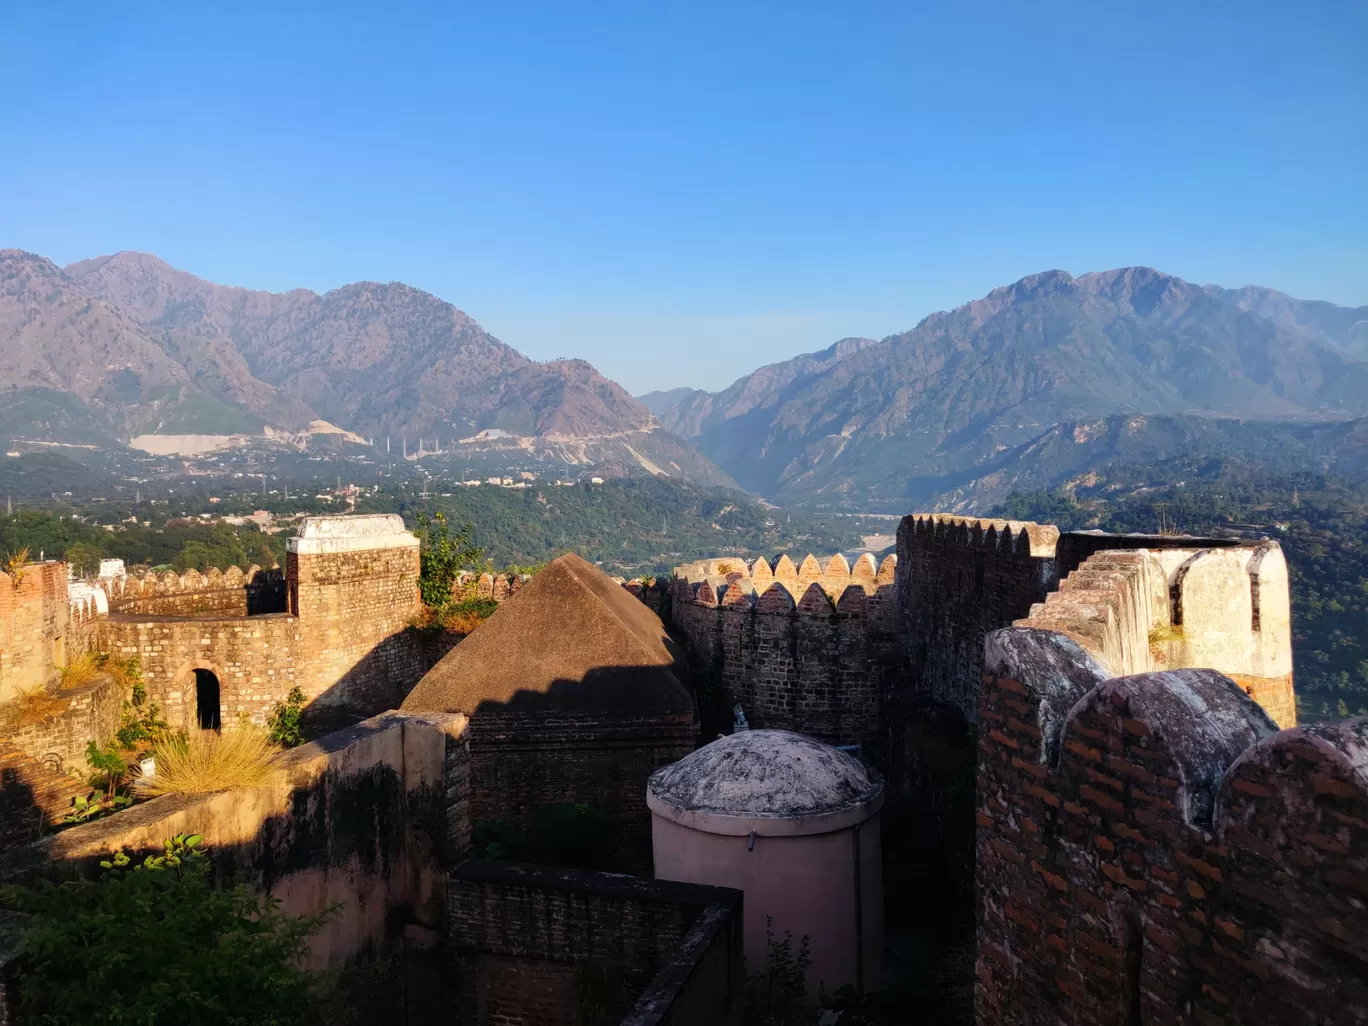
528, 941
343, 604
1152, 849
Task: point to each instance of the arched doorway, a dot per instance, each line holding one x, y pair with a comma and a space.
207, 708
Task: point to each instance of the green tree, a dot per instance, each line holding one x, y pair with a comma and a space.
442, 556
84, 559
158, 943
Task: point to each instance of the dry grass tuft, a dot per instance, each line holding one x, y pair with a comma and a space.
206, 761
33, 707
81, 670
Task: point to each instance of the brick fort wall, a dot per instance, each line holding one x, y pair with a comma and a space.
1152, 849
519, 763
526, 941
805, 648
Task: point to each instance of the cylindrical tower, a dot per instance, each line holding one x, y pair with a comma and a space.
794, 824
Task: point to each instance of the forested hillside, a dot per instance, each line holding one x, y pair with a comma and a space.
631, 526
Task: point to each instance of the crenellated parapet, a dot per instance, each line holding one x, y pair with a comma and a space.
803, 645
812, 587
496, 587
1017, 537
958, 579
231, 591
1152, 848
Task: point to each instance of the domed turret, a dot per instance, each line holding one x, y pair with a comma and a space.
794, 824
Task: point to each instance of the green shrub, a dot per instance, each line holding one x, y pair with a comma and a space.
777, 995
158, 943
282, 726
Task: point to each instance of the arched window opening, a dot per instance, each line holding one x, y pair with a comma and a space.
207, 700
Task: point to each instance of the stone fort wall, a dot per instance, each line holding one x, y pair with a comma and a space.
227, 592
803, 647
1151, 848
334, 623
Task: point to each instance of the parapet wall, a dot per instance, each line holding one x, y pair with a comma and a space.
369, 817
531, 944
1152, 849
228, 592
802, 647
958, 579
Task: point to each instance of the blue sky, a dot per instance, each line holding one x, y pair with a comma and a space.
680, 192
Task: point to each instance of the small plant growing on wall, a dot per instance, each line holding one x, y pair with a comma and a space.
159, 942
282, 725
16, 564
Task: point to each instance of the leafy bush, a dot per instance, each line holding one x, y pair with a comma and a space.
208, 761
96, 804
282, 726
777, 995
441, 557
158, 943
142, 726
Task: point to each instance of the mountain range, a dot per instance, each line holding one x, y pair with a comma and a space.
1036, 384
113, 347
1036, 381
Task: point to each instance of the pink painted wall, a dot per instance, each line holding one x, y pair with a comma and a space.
807, 883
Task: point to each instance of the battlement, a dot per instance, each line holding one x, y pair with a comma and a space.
1153, 842
230, 592
811, 587
1227, 608
1021, 536
800, 646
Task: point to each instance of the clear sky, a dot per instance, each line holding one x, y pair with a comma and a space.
682, 191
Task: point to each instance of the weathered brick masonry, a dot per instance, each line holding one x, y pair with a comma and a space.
1151, 849
807, 648
525, 940
520, 763
35, 628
